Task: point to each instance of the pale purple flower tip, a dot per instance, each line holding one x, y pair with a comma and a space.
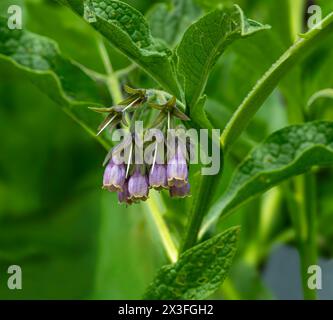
114, 177
124, 196
138, 186
180, 192
177, 171
158, 177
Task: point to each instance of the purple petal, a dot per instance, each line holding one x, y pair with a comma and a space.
114, 177
138, 186
180, 192
158, 177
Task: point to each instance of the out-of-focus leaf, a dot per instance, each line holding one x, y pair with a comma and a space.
126, 252
168, 22
245, 280
204, 42
127, 29
323, 94
198, 272
70, 32
48, 247
286, 153
61, 79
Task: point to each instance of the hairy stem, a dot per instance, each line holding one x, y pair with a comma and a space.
111, 77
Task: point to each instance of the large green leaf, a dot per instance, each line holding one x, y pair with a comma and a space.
198, 272
61, 79
204, 42
127, 29
286, 153
169, 22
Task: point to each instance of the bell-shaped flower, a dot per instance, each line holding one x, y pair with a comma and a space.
114, 176
158, 177
138, 187
177, 170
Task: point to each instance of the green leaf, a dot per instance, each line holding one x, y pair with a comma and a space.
266, 85
286, 153
127, 29
63, 80
204, 42
168, 22
198, 272
199, 115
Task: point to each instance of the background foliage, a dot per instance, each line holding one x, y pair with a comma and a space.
72, 240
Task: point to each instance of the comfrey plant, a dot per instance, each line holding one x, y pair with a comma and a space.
165, 167
171, 54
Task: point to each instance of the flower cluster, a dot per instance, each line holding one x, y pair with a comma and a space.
135, 187
169, 170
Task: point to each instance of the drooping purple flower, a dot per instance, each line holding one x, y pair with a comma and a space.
114, 176
124, 196
138, 186
180, 192
177, 171
158, 177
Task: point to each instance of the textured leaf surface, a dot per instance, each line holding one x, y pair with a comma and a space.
169, 22
286, 153
199, 271
204, 42
127, 29
62, 80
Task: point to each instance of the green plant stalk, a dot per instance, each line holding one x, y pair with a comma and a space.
303, 210
307, 245
270, 205
154, 209
198, 208
271, 79
296, 13
200, 205
111, 76
153, 202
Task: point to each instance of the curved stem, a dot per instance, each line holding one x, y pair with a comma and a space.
270, 80
111, 77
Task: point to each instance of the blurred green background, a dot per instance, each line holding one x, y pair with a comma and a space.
72, 240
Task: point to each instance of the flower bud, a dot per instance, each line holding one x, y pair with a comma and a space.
138, 186
158, 177
114, 177
180, 192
